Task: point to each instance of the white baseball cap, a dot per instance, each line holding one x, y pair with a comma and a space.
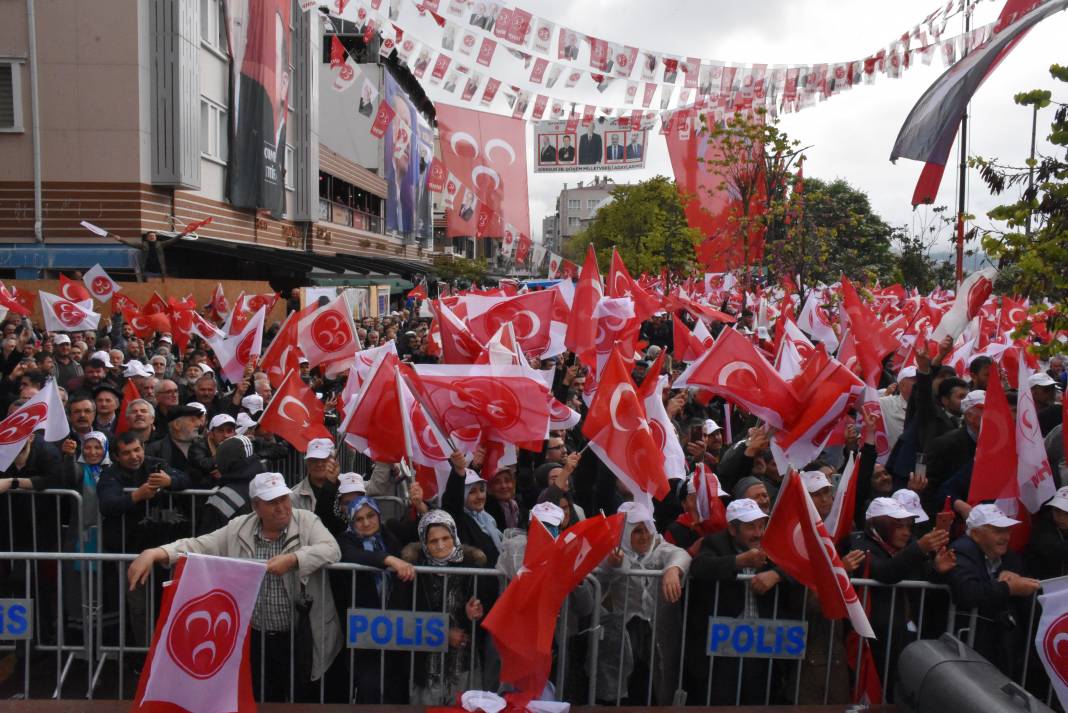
58, 339
102, 356
482, 701
548, 513
988, 514
350, 483
1060, 499
909, 500
974, 399
1037, 379
815, 480
244, 423
709, 427
199, 407
909, 372
136, 368
166, 338
221, 420
319, 448
744, 510
268, 486
253, 402
887, 507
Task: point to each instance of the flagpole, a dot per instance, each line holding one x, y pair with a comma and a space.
962, 179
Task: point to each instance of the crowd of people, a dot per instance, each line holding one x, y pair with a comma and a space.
189, 429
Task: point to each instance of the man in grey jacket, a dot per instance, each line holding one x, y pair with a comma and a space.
296, 546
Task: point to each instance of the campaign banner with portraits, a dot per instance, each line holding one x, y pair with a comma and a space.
261, 44
409, 150
606, 144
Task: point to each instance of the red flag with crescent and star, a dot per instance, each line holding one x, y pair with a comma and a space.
294, 414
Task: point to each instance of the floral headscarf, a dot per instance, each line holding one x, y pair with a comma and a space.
440, 517
100, 438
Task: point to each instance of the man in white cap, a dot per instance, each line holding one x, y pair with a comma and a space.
334, 498
67, 368
296, 546
1044, 389
990, 578
321, 467
203, 449
893, 405
951, 454
714, 582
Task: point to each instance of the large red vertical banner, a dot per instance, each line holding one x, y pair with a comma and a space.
711, 203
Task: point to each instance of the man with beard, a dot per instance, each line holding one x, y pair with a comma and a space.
173, 449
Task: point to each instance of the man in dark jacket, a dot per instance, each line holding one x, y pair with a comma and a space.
133, 521
989, 578
174, 448
952, 452
1046, 555
716, 591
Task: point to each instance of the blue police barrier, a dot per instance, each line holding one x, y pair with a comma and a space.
757, 638
397, 630
16, 619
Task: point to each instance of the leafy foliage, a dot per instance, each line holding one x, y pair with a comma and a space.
1032, 248
915, 267
453, 269
646, 224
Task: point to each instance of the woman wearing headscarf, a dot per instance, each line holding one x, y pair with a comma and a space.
502, 503
632, 603
465, 500
93, 459
366, 542
440, 676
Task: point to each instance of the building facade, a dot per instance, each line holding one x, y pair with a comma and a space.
574, 208
132, 133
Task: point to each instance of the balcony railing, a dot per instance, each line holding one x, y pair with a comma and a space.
350, 217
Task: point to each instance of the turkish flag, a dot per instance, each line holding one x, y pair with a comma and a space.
797, 541
155, 305
873, 340
218, 305
651, 393
621, 284
735, 370
199, 658
294, 414
843, 511
487, 152
100, 284
531, 314
374, 423
44, 410
619, 433
428, 445
971, 295
62, 315
181, 319
686, 347
8, 301
328, 334
581, 335
72, 290
1013, 313
283, 354
523, 620
458, 345
509, 403
145, 325
383, 116
129, 394
995, 451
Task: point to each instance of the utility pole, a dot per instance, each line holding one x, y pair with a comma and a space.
963, 177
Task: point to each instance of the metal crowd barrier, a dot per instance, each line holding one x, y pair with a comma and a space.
104, 662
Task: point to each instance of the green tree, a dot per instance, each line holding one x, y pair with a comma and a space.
832, 231
1032, 247
453, 269
915, 267
646, 224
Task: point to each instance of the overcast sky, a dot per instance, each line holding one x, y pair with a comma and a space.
851, 134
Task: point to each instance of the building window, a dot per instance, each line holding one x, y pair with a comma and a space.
213, 131
10, 96
573, 203
592, 203
290, 158
213, 25
572, 222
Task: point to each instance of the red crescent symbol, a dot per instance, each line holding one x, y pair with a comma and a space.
22, 423
1056, 635
70, 314
204, 633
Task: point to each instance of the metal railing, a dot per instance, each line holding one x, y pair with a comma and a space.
100, 658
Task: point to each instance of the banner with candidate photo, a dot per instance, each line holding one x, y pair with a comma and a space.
261, 47
606, 144
408, 150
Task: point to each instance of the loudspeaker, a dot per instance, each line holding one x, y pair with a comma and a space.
942, 675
